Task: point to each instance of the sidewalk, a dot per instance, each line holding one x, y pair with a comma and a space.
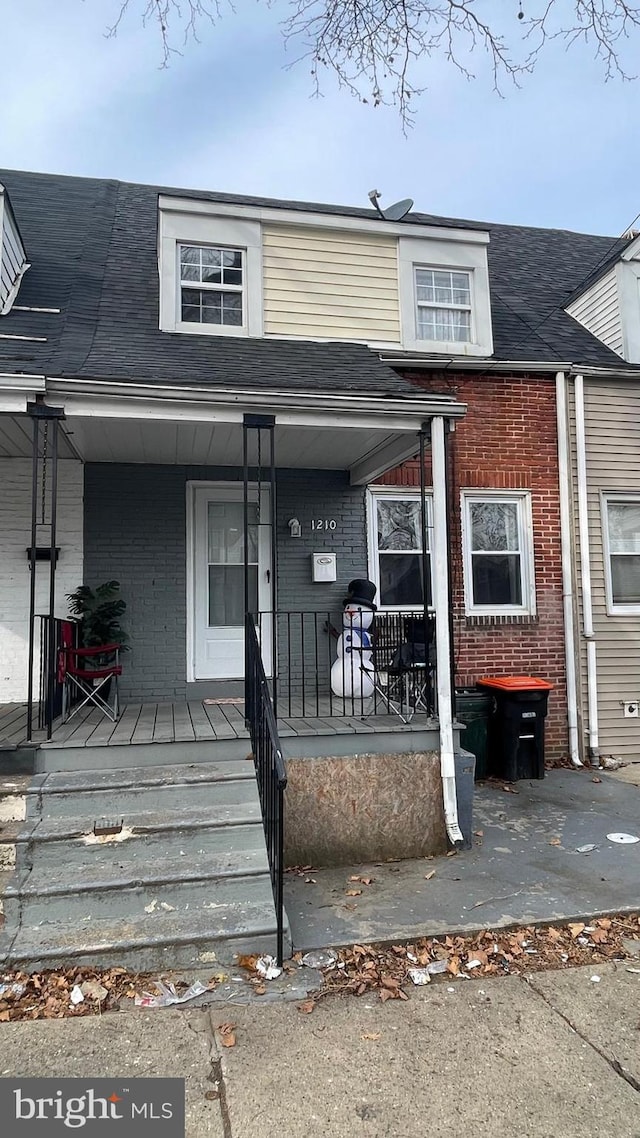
558, 1054
525, 867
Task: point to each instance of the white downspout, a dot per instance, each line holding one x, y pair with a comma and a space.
567, 569
585, 562
443, 647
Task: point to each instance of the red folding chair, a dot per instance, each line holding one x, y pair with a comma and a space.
88, 685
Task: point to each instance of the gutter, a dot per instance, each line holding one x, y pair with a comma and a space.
585, 563
508, 367
567, 570
288, 400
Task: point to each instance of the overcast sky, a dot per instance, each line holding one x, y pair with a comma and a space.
230, 115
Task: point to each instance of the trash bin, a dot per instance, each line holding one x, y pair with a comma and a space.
515, 738
473, 708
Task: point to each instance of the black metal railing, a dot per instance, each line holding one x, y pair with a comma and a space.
270, 769
50, 682
390, 673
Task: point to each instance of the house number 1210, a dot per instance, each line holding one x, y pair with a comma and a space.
324, 524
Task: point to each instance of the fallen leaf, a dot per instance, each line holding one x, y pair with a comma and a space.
390, 983
227, 1034
306, 1007
596, 779
479, 833
575, 930
604, 923
385, 995
248, 962
211, 1096
353, 892
452, 853
374, 1036
599, 936
555, 841
260, 990
4, 1017
429, 875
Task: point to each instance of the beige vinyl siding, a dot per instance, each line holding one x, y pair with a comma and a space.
329, 284
612, 423
598, 310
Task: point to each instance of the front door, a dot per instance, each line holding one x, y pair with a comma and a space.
218, 563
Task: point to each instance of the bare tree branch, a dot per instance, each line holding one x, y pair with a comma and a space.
376, 48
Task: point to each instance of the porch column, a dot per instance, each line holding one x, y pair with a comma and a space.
51, 416
443, 637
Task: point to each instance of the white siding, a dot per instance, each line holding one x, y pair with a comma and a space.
330, 284
13, 261
15, 537
612, 423
598, 310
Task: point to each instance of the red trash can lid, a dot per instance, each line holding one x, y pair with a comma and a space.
515, 683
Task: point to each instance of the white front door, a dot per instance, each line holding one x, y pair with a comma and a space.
218, 578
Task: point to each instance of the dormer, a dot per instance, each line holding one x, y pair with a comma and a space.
13, 257
296, 273
609, 306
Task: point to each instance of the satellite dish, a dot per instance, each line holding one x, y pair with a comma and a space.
394, 212
398, 210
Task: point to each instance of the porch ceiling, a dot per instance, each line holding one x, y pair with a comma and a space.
220, 444
16, 434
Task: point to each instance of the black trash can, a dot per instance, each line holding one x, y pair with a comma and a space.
515, 738
473, 708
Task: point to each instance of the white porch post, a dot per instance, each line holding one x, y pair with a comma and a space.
440, 554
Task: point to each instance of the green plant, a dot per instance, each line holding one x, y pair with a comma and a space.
99, 611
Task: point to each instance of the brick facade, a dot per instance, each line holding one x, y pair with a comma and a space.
507, 440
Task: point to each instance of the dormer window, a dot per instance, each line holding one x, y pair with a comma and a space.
211, 285
444, 293
443, 305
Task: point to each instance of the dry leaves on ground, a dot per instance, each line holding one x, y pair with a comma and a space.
47, 994
367, 968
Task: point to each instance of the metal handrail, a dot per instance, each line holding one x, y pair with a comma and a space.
270, 769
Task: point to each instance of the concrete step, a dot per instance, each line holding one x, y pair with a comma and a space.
130, 800
66, 782
182, 882
36, 901
161, 940
62, 757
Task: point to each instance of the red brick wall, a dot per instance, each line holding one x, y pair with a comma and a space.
507, 441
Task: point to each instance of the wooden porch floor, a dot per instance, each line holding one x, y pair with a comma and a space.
182, 722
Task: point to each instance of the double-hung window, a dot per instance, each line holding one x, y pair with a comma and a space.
211, 285
443, 305
498, 553
395, 549
621, 518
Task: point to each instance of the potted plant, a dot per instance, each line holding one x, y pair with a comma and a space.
98, 612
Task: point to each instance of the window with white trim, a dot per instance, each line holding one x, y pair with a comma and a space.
443, 305
395, 549
622, 550
211, 285
497, 539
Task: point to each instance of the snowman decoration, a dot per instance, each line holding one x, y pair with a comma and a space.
352, 675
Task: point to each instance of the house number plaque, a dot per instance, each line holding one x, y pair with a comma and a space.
325, 524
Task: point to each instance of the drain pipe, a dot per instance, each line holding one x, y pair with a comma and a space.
585, 562
443, 645
567, 570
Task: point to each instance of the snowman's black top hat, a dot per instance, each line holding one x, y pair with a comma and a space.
361, 592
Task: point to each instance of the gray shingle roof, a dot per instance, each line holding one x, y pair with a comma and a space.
92, 245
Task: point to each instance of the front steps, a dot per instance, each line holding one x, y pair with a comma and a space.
184, 884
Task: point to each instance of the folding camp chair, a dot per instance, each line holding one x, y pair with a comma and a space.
404, 681
97, 685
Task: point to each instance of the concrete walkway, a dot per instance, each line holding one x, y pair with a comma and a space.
525, 867
558, 1054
